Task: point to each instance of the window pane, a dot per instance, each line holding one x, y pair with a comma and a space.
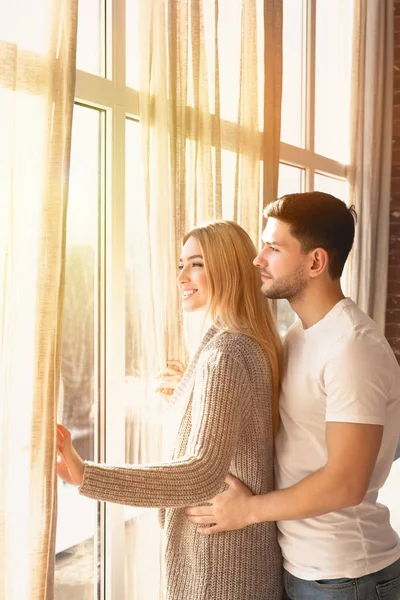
293, 75
28, 24
228, 171
286, 317
142, 406
290, 179
229, 52
332, 185
90, 54
334, 24
76, 564
132, 44
229, 28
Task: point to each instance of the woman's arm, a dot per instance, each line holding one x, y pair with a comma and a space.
219, 395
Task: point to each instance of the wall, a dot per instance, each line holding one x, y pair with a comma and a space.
393, 300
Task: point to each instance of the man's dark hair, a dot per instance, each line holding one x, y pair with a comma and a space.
318, 220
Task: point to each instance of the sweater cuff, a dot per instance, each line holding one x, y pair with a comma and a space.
86, 488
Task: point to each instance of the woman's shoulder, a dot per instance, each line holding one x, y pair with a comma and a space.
239, 357
240, 347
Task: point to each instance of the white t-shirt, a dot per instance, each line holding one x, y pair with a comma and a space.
341, 369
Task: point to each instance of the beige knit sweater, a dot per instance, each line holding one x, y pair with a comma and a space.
225, 398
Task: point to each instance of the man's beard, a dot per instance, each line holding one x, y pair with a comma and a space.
290, 286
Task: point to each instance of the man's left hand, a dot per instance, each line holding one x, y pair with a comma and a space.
226, 511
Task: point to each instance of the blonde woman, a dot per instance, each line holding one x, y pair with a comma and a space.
226, 406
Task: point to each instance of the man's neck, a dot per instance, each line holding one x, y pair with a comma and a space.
315, 304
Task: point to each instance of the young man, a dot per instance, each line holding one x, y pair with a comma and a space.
340, 418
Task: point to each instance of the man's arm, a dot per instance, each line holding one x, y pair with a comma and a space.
343, 481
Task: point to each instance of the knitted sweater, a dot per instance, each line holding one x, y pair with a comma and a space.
225, 398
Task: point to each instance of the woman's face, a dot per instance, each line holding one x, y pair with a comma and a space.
192, 279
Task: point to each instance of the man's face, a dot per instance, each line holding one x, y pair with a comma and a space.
282, 264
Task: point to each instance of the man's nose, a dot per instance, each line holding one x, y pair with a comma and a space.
260, 260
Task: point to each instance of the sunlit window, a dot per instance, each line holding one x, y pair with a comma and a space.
103, 329
333, 78
294, 72
291, 179
332, 185
90, 56
76, 544
17, 28
132, 44
315, 130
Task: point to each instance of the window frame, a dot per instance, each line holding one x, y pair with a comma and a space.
119, 102
306, 158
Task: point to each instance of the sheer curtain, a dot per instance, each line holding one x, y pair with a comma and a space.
37, 77
371, 148
205, 85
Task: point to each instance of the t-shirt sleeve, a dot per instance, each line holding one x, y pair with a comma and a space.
356, 381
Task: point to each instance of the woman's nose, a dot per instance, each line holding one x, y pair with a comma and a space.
182, 276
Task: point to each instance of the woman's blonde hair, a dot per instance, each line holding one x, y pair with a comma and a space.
236, 303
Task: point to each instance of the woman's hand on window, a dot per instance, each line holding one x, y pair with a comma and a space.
70, 465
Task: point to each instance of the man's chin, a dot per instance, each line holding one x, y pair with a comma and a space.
268, 290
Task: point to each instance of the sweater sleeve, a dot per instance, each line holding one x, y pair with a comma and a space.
221, 390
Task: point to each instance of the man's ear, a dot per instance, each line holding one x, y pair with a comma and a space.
319, 262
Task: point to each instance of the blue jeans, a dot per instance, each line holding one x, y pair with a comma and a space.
382, 585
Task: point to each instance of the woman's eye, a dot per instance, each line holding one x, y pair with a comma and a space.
180, 267
273, 249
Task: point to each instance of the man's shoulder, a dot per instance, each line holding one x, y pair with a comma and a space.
347, 333
354, 330
362, 351
293, 331
349, 326
357, 319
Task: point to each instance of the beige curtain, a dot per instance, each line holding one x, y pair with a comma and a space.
273, 15
37, 75
371, 148
202, 106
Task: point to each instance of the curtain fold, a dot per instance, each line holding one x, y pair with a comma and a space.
273, 22
37, 82
185, 137
205, 83
371, 149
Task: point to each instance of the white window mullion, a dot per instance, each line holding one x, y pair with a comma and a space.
103, 93
101, 334
310, 90
301, 157
118, 43
115, 347
115, 308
